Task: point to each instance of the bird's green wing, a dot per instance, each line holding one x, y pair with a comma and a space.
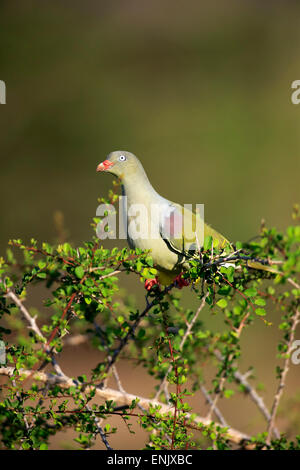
184, 231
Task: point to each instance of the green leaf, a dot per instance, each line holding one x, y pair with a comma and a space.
42, 264
260, 311
141, 333
230, 273
41, 275
252, 292
79, 271
224, 290
222, 303
228, 393
149, 261
260, 301
207, 243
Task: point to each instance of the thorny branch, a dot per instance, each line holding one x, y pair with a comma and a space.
255, 397
232, 434
187, 332
145, 404
133, 328
34, 327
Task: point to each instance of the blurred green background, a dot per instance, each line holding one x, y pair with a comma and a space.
200, 91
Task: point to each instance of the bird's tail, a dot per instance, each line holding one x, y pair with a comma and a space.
262, 267
253, 265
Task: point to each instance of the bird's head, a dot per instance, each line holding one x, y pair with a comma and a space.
121, 163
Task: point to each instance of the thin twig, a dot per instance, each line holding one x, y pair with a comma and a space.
113, 273
99, 428
133, 327
293, 283
255, 397
223, 377
34, 327
183, 340
283, 376
210, 402
117, 379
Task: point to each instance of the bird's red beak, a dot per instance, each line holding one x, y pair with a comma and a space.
104, 165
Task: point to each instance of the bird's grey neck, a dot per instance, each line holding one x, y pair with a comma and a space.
137, 188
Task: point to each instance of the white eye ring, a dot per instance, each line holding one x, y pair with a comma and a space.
122, 158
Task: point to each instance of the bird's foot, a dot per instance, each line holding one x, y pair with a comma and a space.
151, 283
180, 281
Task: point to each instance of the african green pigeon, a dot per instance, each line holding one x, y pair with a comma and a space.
172, 233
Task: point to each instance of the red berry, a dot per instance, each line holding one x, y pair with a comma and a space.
181, 282
149, 283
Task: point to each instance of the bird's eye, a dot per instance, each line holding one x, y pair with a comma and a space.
122, 158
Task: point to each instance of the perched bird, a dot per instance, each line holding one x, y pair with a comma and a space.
173, 233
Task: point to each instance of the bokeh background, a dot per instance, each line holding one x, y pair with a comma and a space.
200, 91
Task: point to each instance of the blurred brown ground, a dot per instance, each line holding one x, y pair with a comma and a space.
200, 91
